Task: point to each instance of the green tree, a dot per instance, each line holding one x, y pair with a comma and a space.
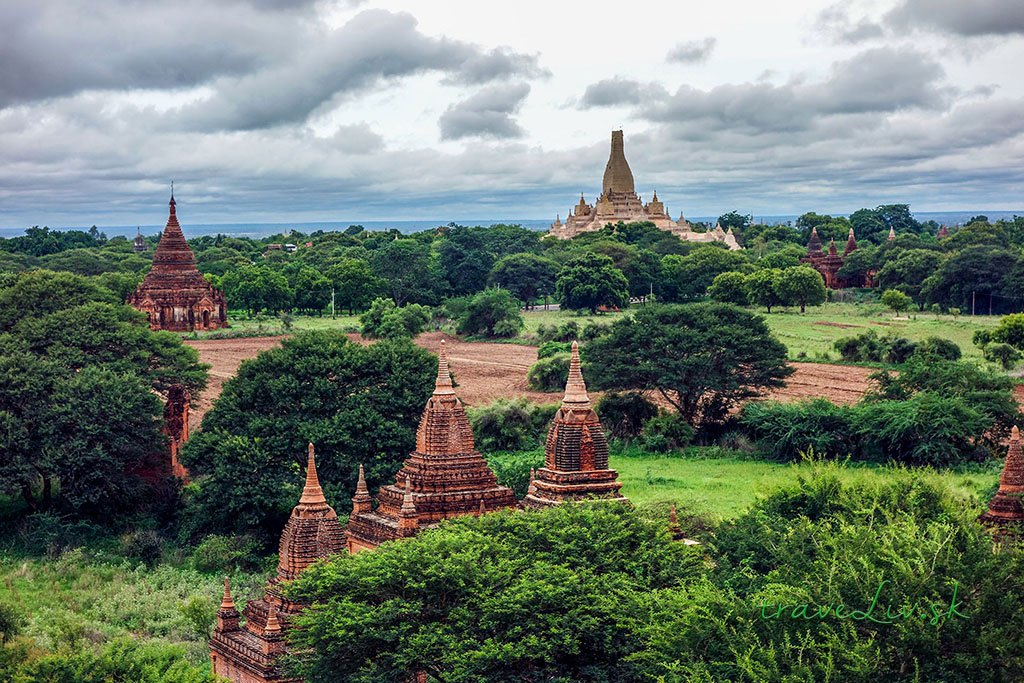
465, 260
358, 404
404, 265
702, 358
896, 300
491, 313
763, 288
37, 293
969, 278
1010, 330
589, 281
729, 288
257, 288
385, 320
908, 271
312, 290
688, 277
802, 286
527, 276
355, 284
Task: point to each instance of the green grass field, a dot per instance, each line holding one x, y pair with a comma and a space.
722, 488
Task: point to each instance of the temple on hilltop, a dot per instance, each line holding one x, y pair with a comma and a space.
575, 453
174, 295
248, 653
620, 202
828, 263
1005, 514
444, 477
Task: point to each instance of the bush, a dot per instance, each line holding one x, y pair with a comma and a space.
868, 347
10, 623
549, 374
896, 300
553, 348
145, 546
491, 313
1003, 354
385, 320
664, 433
218, 554
938, 347
786, 430
513, 469
511, 424
1010, 331
623, 415
566, 332
730, 288
594, 330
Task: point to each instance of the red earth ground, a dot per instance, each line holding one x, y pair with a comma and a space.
487, 371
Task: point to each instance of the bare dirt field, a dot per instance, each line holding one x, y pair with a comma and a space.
486, 371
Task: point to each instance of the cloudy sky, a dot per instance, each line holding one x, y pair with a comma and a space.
283, 110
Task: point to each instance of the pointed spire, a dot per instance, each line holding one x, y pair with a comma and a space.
483, 509
408, 500
361, 489
655, 198
575, 387
832, 251
312, 494
443, 385
892, 234
1011, 480
172, 203
273, 624
227, 602
361, 502
851, 243
673, 519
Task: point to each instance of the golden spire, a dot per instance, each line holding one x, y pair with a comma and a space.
443, 385
312, 494
575, 387
226, 602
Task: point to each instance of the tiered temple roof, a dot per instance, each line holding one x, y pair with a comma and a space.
619, 201
174, 294
444, 477
829, 262
1005, 512
576, 451
248, 653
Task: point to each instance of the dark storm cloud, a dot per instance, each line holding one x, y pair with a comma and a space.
692, 52
488, 113
960, 17
61, 47
615, 91
374, 46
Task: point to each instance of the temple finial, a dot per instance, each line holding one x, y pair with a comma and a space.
312, 494
483, 509
443, 385
575, 388
227, 602
1014, 434
892, 234
273, 625
408, 500
361, 484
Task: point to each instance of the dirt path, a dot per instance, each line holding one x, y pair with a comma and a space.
488, 371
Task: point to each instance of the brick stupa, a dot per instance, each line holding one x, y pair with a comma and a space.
576, 451
248, 653
174, 295
444, 477
1005, 514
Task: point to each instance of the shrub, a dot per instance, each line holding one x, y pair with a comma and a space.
594, 330
224, 554
868, 347
548, 374
10, 623
785, 430
1003, 354
730, 288
513, 469
938, 347
145, 546
491, 313
566, 332
667, 432
896, 300
385, 320
552, 348
1010, 331
623, 415
510, 425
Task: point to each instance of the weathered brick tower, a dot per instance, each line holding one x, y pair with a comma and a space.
1005, 514
576, 451
174, 295
444, 477
248, 653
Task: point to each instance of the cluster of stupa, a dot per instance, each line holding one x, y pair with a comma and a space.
444, 477
828, 263
174, 295
620, 202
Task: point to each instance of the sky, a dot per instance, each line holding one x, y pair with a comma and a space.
291, 110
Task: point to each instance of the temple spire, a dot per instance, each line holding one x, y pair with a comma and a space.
892, 234
227, 602
617, 176
575, 388
361, 502
312, 494
273, 624
443, 385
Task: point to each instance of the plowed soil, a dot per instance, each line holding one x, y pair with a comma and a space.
486, 371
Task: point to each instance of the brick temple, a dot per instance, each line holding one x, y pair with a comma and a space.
1005, 514
619, 201
176, 425
248, 653
444, 477
576, 451
174, 295
828, 263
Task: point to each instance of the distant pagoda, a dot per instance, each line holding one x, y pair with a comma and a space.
828, 263
620, 202
444, 477
174, 295
248, 653
576, 451
1005, 514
